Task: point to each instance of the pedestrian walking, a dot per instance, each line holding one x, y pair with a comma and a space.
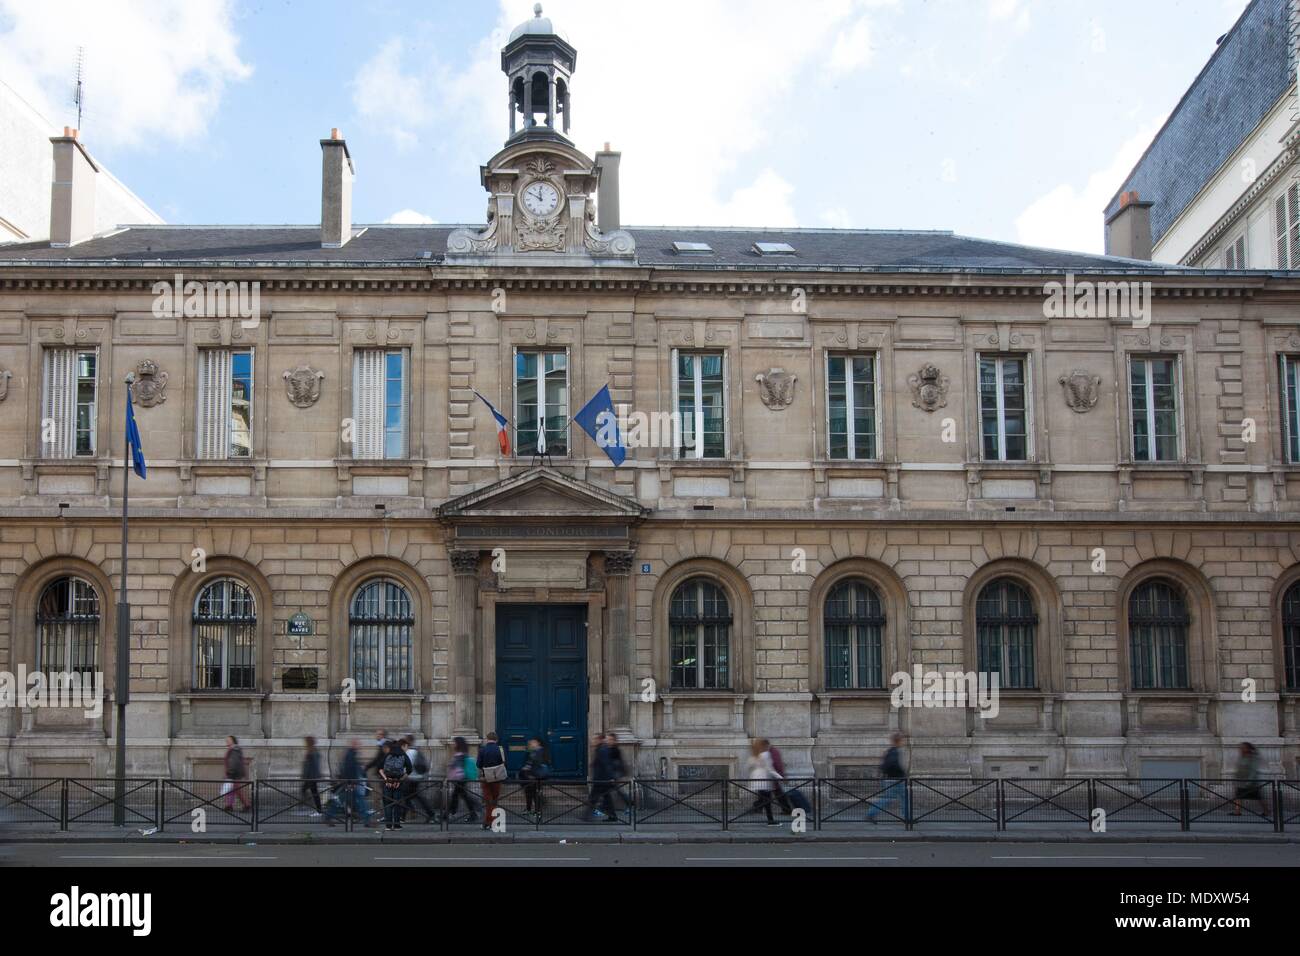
413, 793
891, 769
350, 794
790, 797
381, 738
606, 771
311, 774
1249, 785
492, 768
533, 772
392, 772
762, 779
461, 770
236, 772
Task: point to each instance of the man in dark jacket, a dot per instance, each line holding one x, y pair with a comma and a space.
352, 778
891, 770
606, 771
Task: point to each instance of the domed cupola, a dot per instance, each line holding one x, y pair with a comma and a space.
539, 62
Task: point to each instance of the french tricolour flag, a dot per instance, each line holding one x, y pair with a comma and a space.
503, 427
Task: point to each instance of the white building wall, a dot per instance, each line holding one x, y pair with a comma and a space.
27, 171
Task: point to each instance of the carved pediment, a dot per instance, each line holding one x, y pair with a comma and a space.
542, 493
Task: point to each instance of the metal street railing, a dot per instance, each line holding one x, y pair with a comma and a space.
1101, 803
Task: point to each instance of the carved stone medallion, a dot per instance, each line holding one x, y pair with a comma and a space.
1082, 389
929, 389
302, 385
149, 385
776, 388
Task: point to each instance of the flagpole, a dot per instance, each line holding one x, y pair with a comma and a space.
123, 684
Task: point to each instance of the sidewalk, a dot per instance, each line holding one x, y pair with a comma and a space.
416, 834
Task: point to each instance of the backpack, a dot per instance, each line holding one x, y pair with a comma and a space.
421, 765
471, 769
395, 766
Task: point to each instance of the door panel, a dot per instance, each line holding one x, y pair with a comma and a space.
542, 684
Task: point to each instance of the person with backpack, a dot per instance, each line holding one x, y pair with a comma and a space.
381, 738
311, 774
891, 769
790, 798
492, 768
533, 772
460, 771
236, 772
392, 772
413, 794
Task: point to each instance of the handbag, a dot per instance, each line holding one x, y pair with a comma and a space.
494, 774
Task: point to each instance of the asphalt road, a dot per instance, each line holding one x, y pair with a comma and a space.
578, 855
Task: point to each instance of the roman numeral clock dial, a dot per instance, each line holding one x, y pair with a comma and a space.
541, 199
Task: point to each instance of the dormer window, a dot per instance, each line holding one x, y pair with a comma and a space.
773, 249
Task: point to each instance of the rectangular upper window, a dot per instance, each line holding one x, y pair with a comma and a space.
225, 403
380, 401
1286, 221
1155, 387
1291, 407
1004, 407
774, 248
851, 383
1234, 254
69, 403
700, 397
541, 403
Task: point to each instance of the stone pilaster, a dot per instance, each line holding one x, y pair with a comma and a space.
463, 601
618, 679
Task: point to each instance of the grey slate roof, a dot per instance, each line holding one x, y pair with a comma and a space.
378, 246
1242, 81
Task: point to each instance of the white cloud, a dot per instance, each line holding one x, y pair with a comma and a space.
1016, 11
682, 142
155, 69
1071, 218
409, 217
852, 49
837, 218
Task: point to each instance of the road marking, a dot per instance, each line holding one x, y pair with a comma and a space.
750, 859
197, 856
487, 859
1098, 857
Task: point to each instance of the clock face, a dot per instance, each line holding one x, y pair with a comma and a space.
541, 199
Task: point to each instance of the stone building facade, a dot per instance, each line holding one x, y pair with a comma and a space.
907, 456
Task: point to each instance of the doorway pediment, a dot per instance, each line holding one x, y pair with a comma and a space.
541, 494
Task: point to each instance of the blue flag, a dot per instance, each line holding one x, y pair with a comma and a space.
133, 440
598, 420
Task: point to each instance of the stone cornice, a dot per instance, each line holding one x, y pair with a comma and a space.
1165, 284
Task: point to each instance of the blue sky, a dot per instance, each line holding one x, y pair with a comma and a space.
1005, 119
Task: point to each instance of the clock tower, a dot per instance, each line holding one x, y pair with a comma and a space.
540, 187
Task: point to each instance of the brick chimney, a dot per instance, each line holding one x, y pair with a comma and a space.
607, 213
72, 196
337, 174
1128, 231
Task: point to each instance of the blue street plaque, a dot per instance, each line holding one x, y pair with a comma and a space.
645, 569
300, 625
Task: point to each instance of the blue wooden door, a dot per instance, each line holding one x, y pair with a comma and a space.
542, 684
